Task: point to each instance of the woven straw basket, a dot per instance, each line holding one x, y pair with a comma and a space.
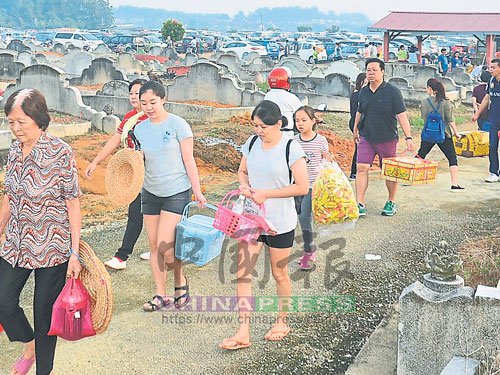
124, 176
97, 281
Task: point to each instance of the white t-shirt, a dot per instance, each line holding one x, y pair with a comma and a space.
287, 102
267, 169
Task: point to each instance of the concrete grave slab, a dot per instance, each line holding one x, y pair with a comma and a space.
76, 62
27, 58
101, 70
9, 68
114, 88
345, 67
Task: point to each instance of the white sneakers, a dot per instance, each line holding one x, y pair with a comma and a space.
492, 178
145, 256
116, 263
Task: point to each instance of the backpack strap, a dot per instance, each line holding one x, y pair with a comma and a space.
252, 141
287, 153
432, 106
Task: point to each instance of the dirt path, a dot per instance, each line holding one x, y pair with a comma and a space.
186, 342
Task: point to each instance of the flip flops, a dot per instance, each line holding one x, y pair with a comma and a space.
276, 334
23, 365
233, 344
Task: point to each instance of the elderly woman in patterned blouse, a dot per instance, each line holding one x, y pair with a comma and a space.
40, 214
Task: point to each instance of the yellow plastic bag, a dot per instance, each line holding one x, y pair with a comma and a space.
333, 200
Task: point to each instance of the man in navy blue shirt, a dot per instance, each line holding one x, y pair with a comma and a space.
492, 99
380, 108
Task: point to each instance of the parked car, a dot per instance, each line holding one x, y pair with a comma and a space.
85, 41
151, 41
243, 49
131, 43
182, 45
43, 38
274, 50
306, 51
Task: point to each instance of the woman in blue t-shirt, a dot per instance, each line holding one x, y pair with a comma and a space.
170, 173
264, 177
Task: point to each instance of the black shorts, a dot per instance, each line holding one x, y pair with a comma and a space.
152, 205
280, 241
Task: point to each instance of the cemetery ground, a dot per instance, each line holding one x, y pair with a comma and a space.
185, 342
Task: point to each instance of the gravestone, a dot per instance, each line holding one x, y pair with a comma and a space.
9, 68
170, 53
155, 51
439, 315
205, 81
76, 61
102, 49
101, 70
128, 62
41, 58
189, 59
114, 88
26, 58
400, 83
17, 45
347, 68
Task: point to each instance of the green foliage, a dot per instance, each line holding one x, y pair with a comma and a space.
333, 29
172, 29
84, 14
304, 29
263, 86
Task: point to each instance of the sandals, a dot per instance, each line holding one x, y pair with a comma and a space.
24, 365
276, 334
184, 295
233, 344
151, 306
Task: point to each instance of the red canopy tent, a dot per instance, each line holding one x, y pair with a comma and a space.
483, 26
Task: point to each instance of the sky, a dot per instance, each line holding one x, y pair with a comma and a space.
374, 9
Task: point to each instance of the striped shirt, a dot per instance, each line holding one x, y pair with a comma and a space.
38, 233
314, 150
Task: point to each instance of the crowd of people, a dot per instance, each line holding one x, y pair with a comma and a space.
41, 218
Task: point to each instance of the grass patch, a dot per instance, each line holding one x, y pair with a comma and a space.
481, 259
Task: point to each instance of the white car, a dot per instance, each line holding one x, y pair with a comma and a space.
243, 49
306, 51
84, 41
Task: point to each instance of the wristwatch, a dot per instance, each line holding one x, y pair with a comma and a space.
409, 137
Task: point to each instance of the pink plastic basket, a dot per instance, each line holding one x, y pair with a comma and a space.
243, 227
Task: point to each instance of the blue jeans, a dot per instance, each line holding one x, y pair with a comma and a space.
305, 220
494, 129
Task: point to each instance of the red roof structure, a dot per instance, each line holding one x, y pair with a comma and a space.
422, 24
439, 23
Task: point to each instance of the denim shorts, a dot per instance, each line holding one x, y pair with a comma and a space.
280, 241
152, 205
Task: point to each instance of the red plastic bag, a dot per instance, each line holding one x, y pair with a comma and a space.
1, 328
71, 318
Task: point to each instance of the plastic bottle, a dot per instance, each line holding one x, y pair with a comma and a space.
239, 205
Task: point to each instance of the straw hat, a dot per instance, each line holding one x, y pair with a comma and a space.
97, 281
125, 176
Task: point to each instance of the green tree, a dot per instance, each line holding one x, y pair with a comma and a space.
85, 14
304, 29
333, 29
172, 29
